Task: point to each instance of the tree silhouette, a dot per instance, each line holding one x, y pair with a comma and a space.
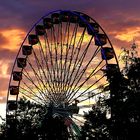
96, 124
133, 102
124, 106
114, 117
33, 121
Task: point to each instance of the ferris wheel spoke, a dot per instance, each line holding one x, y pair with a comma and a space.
70, 54
90, 76
41, 95
78, 47
61, 60
40, 91
39, 80
60, 53
30, 89
82, 73
50, 73
93, 91
42, 73
38, 66
47, 56
51, 58
71, 62
80, 60
55, 56
66, 31
91, 96
76, 89
84, 69
67, 64
94, 72
79, 76
66, 37
41, 55
43, 68
39, 102
31, 92
36, 75
68, 47
26, 74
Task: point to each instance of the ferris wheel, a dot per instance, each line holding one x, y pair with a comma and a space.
61, 63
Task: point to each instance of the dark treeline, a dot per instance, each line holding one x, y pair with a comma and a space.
35, 122
115, 117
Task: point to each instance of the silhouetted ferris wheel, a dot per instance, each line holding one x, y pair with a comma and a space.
61, 64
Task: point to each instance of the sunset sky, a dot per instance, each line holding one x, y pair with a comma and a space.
119, 18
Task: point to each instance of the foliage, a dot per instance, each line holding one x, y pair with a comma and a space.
33, 121
124, 106
113, 118
94, 128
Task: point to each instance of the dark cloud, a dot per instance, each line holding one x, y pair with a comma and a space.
121, 25
25, 13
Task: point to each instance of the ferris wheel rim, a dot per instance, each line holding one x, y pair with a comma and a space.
47, 15
74, 12
38, 22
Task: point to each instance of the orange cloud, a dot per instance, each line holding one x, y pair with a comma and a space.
4, 69
129, 34
14, 38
